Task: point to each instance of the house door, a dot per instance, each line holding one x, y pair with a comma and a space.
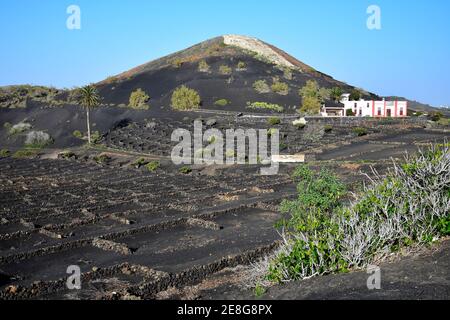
388, 113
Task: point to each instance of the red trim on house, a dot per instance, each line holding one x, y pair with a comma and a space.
396, 104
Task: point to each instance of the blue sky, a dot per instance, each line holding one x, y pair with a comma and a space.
409, 56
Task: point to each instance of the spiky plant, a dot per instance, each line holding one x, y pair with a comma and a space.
89, 99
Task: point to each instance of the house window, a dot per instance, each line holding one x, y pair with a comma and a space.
368, 105
401, 111
356, 105
379, 111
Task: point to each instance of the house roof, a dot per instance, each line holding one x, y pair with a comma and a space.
333, 104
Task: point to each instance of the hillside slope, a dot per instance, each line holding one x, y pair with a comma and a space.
233, 64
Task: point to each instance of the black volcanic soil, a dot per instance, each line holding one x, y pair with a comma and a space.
137, 234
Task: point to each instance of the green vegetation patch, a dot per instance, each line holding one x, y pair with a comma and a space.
221, 102
265, 106
184, 98
153, 166
261, 86
280, 88
273, 121
225, 70
185, 170
139, 99
323, 235
359, 131
4, 153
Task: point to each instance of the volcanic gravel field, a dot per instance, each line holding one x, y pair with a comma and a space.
137, 234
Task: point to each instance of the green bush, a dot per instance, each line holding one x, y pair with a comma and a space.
328, 128
25, 153
139, 163
265, 106
139, 99
271, 132
19, 128
321, 235
280, 87
222, 102
261, 86
444, 122
102, 159
96, 137
153, 166
203, 66
177, 63
349, 113
77, 134
241, 65
4, 153
225, 70
360, 131
184, 98
435, 116
185, 170
273, 121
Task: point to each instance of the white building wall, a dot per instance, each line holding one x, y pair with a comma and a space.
364, 108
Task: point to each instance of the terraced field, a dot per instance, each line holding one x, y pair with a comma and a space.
130, 232
136, 234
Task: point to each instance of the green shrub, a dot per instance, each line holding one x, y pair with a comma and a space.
19, 128
4, 153
259, 290
349, 113
139, 163
328, 128
321, 235
261, 86
273, 121
280, 87
355, 95
102, 159
225, 70
184, 98
96, 137
241, 65
177, 63
222, 102
435, 116
444, 122
185, 170
360, 131
271, 132
230, 153
265, 106
77, 134
153, 166
139, 99
25, 153
203, 66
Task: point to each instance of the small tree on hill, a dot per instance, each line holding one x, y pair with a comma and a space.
89, 99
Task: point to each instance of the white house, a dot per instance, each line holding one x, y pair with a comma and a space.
365, 108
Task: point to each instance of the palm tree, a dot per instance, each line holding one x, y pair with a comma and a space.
89, 98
